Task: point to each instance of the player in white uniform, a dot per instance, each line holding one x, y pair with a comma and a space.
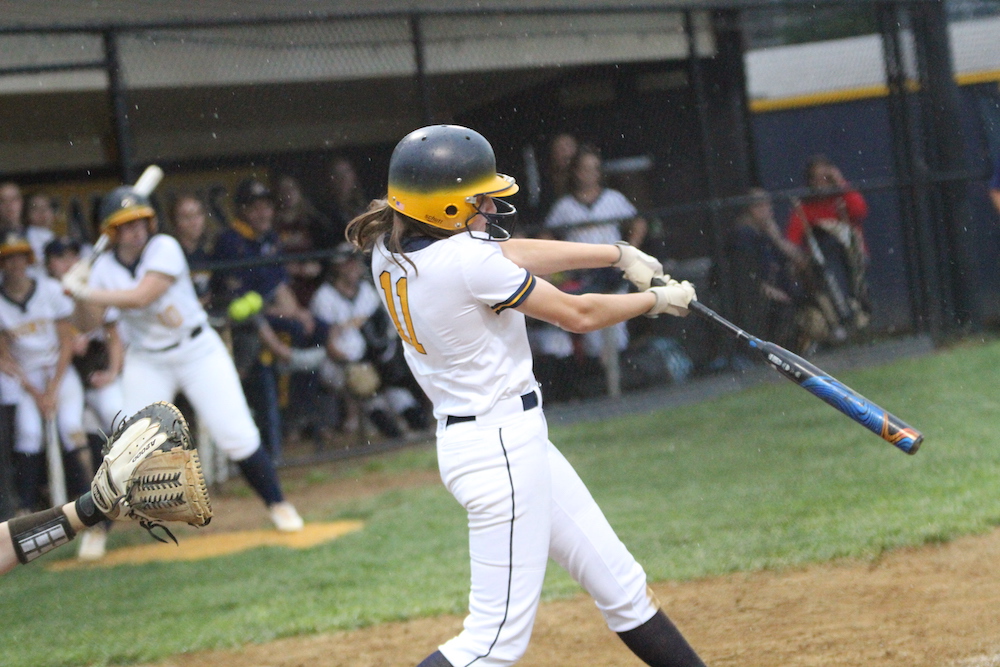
350, 305
170, 345
459, 302
35, 350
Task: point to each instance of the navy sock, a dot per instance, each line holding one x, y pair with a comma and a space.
435, 659
260, 473
658, 643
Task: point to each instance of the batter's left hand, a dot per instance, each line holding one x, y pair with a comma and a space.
638, 267
74, 281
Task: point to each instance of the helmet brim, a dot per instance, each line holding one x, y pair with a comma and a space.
501, 186
18, 248
124, 215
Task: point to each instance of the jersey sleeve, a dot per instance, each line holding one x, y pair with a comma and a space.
495, 280
165, 255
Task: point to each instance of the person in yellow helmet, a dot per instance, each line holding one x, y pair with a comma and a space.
458, 288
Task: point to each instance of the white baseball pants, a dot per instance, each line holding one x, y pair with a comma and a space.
107, 403
28, 435
525, 504
202, 368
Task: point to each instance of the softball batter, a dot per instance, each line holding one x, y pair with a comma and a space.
459, 302
171, 346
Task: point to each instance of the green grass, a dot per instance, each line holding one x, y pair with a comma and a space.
767, 478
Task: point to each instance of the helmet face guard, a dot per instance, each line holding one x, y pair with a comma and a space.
499, 225
438, 174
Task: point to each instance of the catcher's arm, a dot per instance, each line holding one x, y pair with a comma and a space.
18, 537
151, 473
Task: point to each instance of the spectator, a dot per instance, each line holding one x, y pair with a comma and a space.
362, 343
765, 275
40, 222
301, 228
11, 208
284, 324
297, 221
592, 213
556, 175
348, 198
189, 223
252, 236
827, 225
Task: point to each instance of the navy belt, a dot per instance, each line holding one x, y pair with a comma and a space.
194, 334
528, 402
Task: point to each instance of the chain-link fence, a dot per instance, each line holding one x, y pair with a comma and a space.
689, 108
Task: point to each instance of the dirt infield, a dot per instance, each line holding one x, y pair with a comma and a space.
934, 606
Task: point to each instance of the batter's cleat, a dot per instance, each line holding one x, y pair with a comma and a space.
285, 518
93, 544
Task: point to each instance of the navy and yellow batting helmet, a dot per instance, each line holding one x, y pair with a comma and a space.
437, 173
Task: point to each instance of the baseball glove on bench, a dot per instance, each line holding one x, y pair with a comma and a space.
151, 472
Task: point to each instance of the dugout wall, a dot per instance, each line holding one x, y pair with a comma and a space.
88, 93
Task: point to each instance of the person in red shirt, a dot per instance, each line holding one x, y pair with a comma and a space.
835, 201
827, 224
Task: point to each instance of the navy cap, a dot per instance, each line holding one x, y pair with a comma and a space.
250, 190
60, 246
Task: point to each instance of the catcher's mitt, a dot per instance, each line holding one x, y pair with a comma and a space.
151, 471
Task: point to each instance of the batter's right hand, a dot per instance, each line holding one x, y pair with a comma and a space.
672, 298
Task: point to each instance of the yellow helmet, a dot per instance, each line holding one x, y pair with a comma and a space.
13, 244
437, 173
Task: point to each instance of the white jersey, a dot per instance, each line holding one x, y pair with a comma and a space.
336, 309
32, 324
38, 238
171, 318
464, 342
609, 210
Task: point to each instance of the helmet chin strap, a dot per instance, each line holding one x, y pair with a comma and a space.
495, 231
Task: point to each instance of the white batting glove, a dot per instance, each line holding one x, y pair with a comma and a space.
74, 281
672, 298
639, 268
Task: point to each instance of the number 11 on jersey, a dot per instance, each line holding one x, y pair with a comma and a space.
407, 334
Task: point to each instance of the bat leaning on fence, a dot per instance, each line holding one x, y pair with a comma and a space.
53, 456
841, 306
821, 384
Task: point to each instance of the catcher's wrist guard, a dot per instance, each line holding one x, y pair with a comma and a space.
39, 533
151, 472
87, 511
